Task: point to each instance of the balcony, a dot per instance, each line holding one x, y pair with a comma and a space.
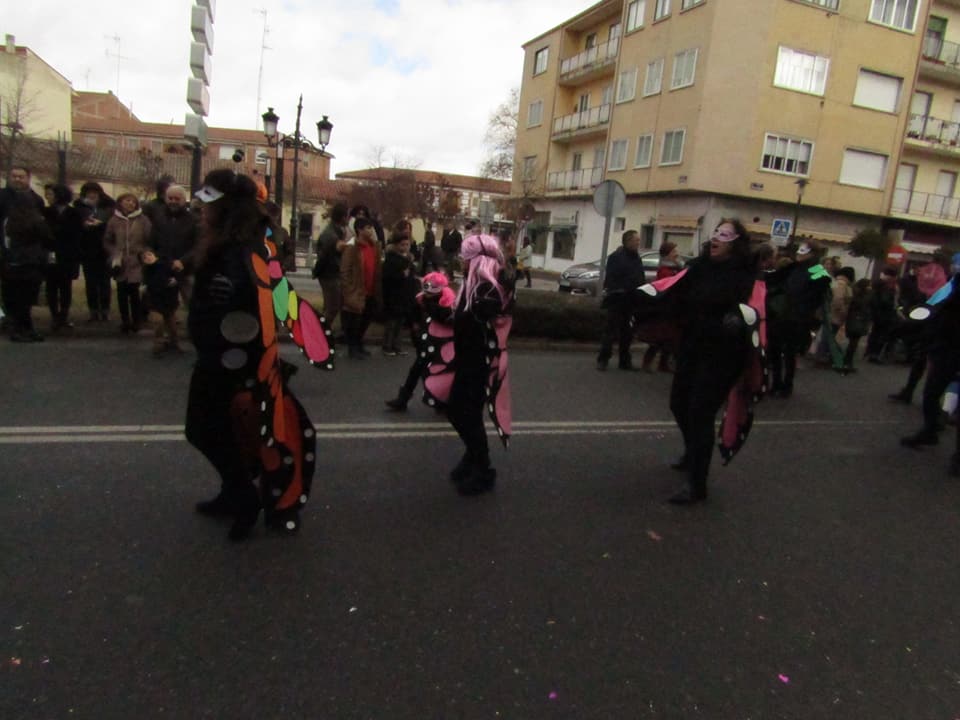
926, 205
598, 61
583, 124
582, 179
934, 135
941, 59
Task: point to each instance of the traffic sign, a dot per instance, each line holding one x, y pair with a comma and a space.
780, 231
609, 198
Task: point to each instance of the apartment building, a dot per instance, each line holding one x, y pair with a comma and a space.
768, 110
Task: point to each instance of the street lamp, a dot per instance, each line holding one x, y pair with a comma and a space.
296, 141
801, 184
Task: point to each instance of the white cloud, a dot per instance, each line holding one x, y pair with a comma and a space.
419, 77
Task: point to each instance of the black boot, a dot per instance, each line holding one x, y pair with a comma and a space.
901, 397
461, 470
924, 437
247, 512
477, 481
220, 506
681, 463
399, 403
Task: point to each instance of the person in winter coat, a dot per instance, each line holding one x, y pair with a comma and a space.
95, 208
26, 240
173, 237
669, 266
857, 323
127, 236
624, 274
883, 313
399, 288
330, 245
805, 286
361, 285
63, 263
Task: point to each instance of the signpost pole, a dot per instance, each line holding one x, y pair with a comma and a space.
608, 220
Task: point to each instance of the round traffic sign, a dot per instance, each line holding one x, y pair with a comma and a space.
609, 198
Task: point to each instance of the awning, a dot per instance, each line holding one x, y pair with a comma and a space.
915, 247
677, 222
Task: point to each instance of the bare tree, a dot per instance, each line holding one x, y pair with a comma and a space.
17, 109
500, 140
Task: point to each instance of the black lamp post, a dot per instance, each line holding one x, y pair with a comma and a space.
801, 184
297, 141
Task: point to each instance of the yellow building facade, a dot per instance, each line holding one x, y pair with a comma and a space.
703, 109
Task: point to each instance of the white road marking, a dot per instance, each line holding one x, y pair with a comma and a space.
53, 434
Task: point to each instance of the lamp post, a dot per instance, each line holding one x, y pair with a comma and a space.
297, 141
801, 184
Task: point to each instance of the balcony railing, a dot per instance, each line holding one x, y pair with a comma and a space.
928, 205
582, 120
597, 55
931, 129
583, 179
938, 50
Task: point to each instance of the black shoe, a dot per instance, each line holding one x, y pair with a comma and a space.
34, 336
785, 392
954, 470
924, 437
398, 404
355, 353
629, 367
220, 506
602, 365
900, 397
688, 497
460, 470
364, 352
681, 463
477, 482
389, 352
245, 521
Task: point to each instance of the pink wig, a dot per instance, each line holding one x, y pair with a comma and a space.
484, 261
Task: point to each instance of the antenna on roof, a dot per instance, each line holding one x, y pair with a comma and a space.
118, 56
263, 49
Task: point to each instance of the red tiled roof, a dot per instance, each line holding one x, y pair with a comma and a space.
429, 177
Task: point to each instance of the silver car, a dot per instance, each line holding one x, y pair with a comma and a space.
584, 278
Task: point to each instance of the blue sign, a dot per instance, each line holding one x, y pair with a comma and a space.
780, 231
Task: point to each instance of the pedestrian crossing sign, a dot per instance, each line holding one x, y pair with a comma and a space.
780, 231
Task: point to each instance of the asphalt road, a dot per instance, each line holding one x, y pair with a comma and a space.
820, 581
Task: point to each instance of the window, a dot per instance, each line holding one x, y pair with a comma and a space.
864, 169
111, 142
878, 92
801, 71
651, 85
226, 152
606, 96
900, 14
635, 12
662, 9
591, 41
672, 151
614, 31
687, 4
540, 59
564, 243
618, 155
133, 143
684, 68
619, 224
786, 155
644, 151
627, 85
90, 140
535, 113
157, 146
529, 168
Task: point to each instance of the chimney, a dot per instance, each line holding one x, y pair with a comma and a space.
11, 44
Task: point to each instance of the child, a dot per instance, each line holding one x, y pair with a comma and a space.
163, 298
435, 302
857, 323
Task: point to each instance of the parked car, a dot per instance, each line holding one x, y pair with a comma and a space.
584, 278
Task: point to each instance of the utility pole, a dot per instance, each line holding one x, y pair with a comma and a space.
263, 50
294, 220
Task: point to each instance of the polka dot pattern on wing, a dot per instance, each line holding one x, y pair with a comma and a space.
309, 432
309, 457
239, 327
303, 499
234, 359
291, 525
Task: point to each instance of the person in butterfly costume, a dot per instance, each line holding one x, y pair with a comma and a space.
716, 305
240, 413
468, 364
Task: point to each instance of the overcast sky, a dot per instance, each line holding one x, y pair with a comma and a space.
419, 77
